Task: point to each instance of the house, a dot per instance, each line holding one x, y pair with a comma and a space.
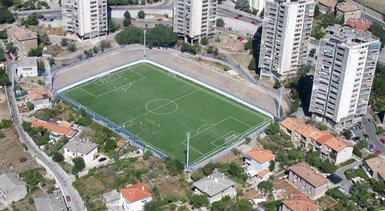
332, 148
348, 10
61, 128
26, 67
111, 199
258, 160
376, 167
80, 148
327, 6
360, 24
12, 189
40, 97
24, 39
53, 202
134, 197
299, 202
308, 180
216, 186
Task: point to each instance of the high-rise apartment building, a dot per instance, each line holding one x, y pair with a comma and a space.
194, 19
285, 37
344, 74
85, 18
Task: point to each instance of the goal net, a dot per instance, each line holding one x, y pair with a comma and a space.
231, 139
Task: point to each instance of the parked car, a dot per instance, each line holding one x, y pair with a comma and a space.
236, 17
254, 22
356, 138
366, 136
68, 198
102, 159
370, 121
371, 148
377, 152
382, 139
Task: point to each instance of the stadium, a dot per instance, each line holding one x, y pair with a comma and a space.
155, 107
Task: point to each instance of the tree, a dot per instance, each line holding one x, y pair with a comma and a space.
252, 64
272, 165
129, 35
189, 48
31, 20
30, 106
147, 155
312, 52
6, 16
11, 47
72, 47
220, 22
205, 40
35, 52
57, 157
110, 144
4, 79
242, 5
152, 206
44, 39
248, 45
126, 22
223, 204
32, 177
141, 14
64, 42
79, 164
262, 13
3, 34
162, 36
174, 166
273, 129
242, 205
266, 186
347, 133
198, 201
113, 27
127, 15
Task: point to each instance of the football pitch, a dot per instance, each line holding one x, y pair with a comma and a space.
159, 107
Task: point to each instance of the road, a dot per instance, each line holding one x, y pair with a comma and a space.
345, 183
371, 130
62, 178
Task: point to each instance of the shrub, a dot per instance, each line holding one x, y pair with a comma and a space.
2, 135
141, 14
57, 157
205, 40
22, 159
198, 201
30, 106
220, 22
64, 42
72, 47
147, 155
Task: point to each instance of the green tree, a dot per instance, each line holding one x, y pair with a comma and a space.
79, 164
44, 39
312, 52
205, 40
220, 22
221, 205
189, 48
6, 16
147, 155
198, 201
242, 5
31, 20
273, 129
64, 42
347, 133
57, 157
377, 99
162, 36
266, 186
126, 22
30, 106
112, 26
361, 195
32, 177
272, 165
72, 47
174, 166
242, 205
248, 45
110, 144
3, 34
11, 47
35, 52
129, 35
127, 15
252, 64
141, 14
262, 13
4, 79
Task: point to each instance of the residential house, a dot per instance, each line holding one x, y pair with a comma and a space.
111, 199
376, 167
134, 197
327, 6
60, 128
53, 202
257, 163
335, 149
348, 10
40, 97
216, 186
308, 180
26, 67
23, 38
360, 24
80, 148
12, 189
299, 202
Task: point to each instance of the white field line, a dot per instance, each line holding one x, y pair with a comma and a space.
226, 134
194, 149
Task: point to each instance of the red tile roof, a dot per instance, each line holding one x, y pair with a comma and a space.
359, 24
135, 192
54, 128
306, 172
300, 202
263, 173
38, 93
261, 155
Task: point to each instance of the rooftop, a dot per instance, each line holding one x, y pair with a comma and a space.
377, 165
27, 62
347, 7
10, 184
52, 203
334, 143
263, 173
213, 184
349, 36
83, 146
261, 155
111, 196
21, 33
359, 24
135, 192
38, 93
308, 173
302, 128
54, 128
300, 202
328, 3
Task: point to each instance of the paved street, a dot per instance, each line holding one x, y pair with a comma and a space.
345, 183
62, 178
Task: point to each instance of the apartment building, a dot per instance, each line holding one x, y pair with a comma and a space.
343, 75
286, 31
86, 19
194, 19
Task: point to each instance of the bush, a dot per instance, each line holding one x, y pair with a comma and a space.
252, 64
2, 135
205, 40
35, 52
79, 165
57, 157
198, 201
72, 47
141, 14
30, 106
127, 15
22, 159
126, 22
248, 45
189, 48
147, 155
220, 22
174, 166
64, 42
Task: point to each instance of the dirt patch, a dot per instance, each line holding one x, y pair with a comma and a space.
55, 50
171, 187
50, 30
4, 111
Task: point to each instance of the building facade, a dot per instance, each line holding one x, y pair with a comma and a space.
26, 67
194, 19
134, 197
343, 75
24, 39
258, 160
285, 37
86, 19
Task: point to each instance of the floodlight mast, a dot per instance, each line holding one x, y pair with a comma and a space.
144, 41
188, 149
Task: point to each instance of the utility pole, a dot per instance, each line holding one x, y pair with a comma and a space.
188, 149
144, 46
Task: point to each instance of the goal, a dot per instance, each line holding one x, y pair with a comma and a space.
231, 139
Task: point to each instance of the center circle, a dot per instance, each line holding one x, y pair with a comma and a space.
161, 106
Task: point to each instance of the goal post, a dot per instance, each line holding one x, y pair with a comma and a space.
231, 139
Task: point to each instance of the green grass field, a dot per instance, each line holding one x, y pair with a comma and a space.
160, 107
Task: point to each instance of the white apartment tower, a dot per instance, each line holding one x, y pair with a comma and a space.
85, 18
344, 74
285, 37
194, 19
